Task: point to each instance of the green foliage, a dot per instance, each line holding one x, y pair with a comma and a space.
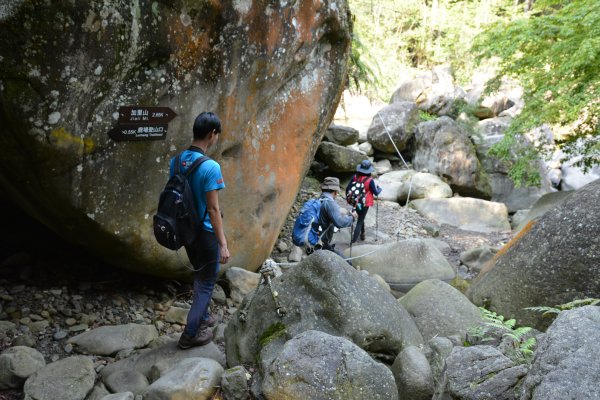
271, 333
554, 52
361, 76
495, 325
552, 312
402, 36
424, 116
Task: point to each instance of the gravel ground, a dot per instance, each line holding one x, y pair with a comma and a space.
59, 291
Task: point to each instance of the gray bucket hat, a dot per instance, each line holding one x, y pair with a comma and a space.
331, 183
366, 167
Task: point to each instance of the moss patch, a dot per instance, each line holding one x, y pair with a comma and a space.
273, 332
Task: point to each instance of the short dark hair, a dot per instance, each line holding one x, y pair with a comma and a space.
205, 123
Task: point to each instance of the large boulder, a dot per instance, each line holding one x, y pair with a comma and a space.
403, 264
108, 340
552, 261
401, 185
315, 365
71, 378
67, 68
566, 360
479, 373
465, 213
322, 293
397, 120
438, 309
342, 135
339, 158
17, 364
444, 148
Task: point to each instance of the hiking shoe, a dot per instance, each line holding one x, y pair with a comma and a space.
204, 336
209, 323
362, 236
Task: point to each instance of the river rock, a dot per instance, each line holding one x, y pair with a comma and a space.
438, 309
192, 378
71, 378
397, 120
552, 261
108, 340
570, 345
465, 213
234, 383
316, 365
342, 135
126, 381
339, 158
320, 293
444, 148
17, 364
404, 263
478, 257
67, 69
413, 375
241, 282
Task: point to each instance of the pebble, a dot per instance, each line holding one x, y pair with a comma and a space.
59, 335
78, 328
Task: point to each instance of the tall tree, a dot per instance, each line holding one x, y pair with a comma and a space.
554, 51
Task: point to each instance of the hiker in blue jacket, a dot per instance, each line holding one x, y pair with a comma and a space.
331, 215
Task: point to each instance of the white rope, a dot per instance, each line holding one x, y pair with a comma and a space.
400, 155
345, 259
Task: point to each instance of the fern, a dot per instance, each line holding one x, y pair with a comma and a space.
554, 311
523, 346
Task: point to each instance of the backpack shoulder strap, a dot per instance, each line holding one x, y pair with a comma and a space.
177, 164
196, 164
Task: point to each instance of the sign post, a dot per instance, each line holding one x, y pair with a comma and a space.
138, 123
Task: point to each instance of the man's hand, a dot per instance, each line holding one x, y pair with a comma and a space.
354, 215
224, 255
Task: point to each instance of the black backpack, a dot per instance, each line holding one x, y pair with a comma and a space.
176, 221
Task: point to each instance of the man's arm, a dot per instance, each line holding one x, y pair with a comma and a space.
214, 213
338, 220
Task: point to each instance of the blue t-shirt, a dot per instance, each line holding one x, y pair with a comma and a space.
206, 178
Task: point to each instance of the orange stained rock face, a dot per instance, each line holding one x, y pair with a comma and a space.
516, 239
274, 170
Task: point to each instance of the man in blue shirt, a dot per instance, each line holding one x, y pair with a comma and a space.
330, 215
210, 247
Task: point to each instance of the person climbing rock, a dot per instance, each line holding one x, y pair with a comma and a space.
331, 214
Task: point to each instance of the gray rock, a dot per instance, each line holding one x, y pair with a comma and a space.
17, 364
553, 260
397, 120
191, 378
126, 381
479, 373
574, 178
119, 396
444, 148
108, 340
412, 89
436, 351
241, 282
315, 365
321, 293
478, 257
7, 327
465, 213
219, 295
543, 205
383, 166
71, 378
367, 148
177, 315
234, 384
438, 309
566, 359
296, 254
339, 158
167, 353
98, 392
342, 135
519, 218
413, 375
404, 263
401, 185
